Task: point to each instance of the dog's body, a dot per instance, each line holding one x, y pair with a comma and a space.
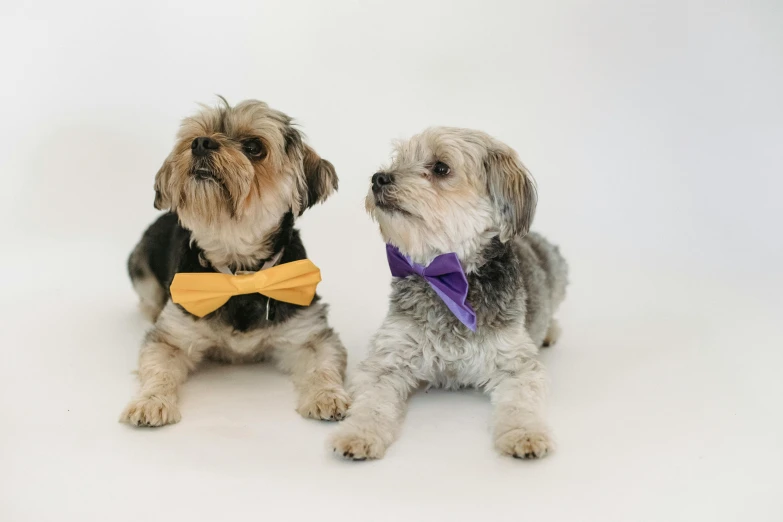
515, 291
234, 200
167, 248
516, 283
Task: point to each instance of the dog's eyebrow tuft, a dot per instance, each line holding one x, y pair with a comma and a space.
221, 122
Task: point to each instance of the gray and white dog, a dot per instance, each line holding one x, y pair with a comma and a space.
461, 191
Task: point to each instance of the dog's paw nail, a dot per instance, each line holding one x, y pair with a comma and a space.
522, 443
326, 404
151, 412
359, 446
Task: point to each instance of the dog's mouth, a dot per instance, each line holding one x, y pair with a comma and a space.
387, 204
204, 173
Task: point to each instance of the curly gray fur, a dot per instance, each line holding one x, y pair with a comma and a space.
461, 191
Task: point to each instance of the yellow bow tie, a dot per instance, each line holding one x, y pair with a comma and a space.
202, 293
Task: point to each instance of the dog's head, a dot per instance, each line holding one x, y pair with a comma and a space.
448, 188
238, 163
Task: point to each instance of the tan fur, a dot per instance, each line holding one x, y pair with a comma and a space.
254, 193
512, 189
233, 219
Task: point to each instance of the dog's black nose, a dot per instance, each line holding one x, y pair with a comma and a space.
380, 180
203, 146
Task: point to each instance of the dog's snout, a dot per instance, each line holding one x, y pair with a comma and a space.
380, 180
203, 145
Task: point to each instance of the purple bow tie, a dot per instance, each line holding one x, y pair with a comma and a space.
445, 276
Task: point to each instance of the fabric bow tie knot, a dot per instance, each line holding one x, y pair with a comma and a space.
446, 277
203, 293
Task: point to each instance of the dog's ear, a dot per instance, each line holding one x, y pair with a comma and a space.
319, 179
512, 190
162, 195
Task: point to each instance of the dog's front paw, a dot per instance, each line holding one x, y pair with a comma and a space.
324, 404
356, 444
151, 411
524, 443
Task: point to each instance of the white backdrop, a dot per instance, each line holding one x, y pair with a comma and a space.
654, 130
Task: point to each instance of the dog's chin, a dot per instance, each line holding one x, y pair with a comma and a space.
395, 223
203, 198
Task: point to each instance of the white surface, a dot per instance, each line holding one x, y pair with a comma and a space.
654, 132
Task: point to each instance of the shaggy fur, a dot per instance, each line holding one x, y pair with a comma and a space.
234, 184
458, 190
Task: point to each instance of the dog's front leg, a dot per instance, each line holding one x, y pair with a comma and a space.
380, 391
517, 395
162, 369
317, 366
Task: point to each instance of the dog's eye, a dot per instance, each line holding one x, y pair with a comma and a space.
253, 147
440, 169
